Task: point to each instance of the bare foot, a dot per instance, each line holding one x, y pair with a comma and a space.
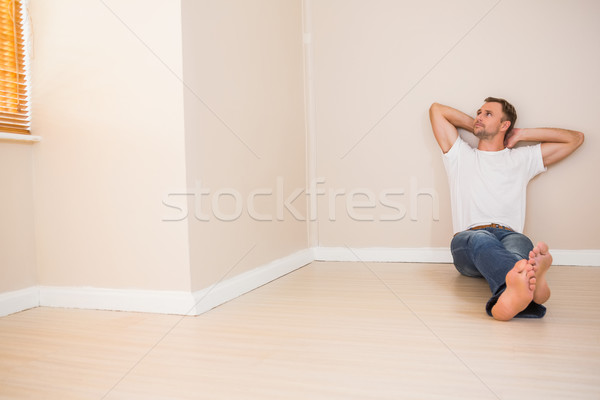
520, 286
541, 260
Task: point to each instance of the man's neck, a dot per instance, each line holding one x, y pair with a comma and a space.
491, 145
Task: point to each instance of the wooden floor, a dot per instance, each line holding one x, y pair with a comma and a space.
326, 331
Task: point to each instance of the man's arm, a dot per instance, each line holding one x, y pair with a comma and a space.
557, 143
445, 122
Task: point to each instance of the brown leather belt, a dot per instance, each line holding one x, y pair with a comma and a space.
490, 226
487, 226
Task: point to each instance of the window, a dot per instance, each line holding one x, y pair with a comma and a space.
14, 109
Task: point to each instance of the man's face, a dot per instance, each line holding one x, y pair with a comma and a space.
488, 121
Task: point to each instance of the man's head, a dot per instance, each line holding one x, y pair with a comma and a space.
495, 116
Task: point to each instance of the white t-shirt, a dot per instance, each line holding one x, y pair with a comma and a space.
490, 186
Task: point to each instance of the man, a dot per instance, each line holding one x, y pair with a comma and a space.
488, 191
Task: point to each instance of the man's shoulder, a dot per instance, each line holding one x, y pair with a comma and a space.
526, 150
459, 147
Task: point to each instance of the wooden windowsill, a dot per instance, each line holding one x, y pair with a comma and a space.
19, 137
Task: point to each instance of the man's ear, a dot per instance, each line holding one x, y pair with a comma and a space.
505, 125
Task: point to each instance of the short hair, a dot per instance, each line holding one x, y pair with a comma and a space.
510, 114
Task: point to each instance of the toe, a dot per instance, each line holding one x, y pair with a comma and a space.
521, 265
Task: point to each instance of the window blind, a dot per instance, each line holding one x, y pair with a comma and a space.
14, 110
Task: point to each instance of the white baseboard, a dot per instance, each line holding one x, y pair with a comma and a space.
19, 300
222, 292
384, 254
186, 303
165, 302
436, 255
153, 301
588, 258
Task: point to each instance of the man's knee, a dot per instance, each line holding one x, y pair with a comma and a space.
462, 249
482, 233
466, 238
518, 244
477, 238
468, 270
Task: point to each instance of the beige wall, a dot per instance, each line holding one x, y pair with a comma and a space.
17, 250
378, 67
111, 170
244, 122
109, 107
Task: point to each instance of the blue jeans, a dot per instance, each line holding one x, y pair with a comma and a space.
490, 253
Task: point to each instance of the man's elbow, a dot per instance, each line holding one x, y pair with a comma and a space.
576, 140
435, 109
579, 138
